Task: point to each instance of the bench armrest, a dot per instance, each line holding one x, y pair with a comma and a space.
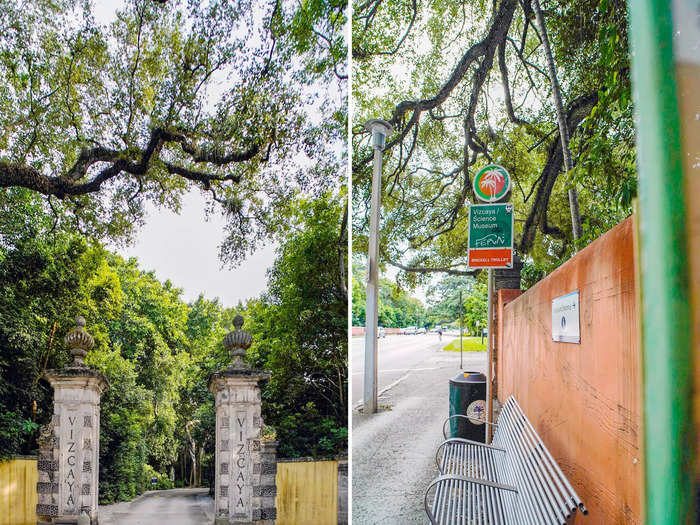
467, 479
444, 434
462, 440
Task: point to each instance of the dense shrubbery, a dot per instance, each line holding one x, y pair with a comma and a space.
135, 89
157, 351
397, 309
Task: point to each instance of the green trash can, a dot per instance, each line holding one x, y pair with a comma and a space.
468, 398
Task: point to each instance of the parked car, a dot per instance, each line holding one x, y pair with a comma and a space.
421, 330
410, 330
381, 333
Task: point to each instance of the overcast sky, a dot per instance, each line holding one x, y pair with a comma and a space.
184, 249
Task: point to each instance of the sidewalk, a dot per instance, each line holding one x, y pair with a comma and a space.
393, 451
161, 507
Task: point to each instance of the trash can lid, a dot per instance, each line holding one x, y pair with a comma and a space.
469, 377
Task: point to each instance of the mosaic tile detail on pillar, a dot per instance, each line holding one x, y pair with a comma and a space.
66, 489
245, 462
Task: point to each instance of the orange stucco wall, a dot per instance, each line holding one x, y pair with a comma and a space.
583, 399
688, 78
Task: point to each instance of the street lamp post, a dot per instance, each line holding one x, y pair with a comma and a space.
461, 364
379, 129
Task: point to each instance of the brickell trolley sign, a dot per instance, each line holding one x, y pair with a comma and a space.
491, 236
491, 225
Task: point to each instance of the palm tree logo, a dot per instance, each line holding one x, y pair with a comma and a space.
492, 182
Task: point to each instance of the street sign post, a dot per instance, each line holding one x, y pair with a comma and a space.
491, 236
491, 246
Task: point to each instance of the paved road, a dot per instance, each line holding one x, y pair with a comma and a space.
162, 507
397, 355
393, 451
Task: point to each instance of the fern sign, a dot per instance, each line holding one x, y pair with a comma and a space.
491, 235
492, 183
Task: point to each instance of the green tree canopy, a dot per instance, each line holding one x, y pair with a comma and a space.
301, 334
466, 84
397, 309
241, 100
158, 351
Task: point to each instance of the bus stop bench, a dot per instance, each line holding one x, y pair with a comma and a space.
514, 480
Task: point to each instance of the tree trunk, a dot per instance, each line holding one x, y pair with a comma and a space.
561, 118
199, 475
182, 468
193, 454
342, 243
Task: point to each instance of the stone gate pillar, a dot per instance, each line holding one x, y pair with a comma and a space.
245, 466
69, 447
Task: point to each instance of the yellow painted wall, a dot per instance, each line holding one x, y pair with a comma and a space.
307, 493
18, 499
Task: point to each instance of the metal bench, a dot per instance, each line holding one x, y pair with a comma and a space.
514, 480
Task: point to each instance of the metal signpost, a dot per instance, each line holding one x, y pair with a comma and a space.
491, 235
491, 246
461, 363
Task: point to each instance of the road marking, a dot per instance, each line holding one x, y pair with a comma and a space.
401, 370
392, 385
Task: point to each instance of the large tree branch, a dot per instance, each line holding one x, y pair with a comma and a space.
487, 46
484, 48
130, 162
506, 84
578, 110
427, 269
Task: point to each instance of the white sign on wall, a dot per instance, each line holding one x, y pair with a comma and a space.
565, 319
686, 35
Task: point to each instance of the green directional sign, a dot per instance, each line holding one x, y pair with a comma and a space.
491, 235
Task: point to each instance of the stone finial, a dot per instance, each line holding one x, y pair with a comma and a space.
79, 341
237, 342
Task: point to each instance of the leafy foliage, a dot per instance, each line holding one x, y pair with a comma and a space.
443, 297
241, 100
397, 309
157, 351
465, 85
300, 334
39, 289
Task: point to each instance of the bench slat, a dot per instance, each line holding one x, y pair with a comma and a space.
494, 509
550, 468
532, 455
574, 496
450, 485
514, 480
528, 477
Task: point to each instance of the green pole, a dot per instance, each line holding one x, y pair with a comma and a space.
461, 363
669, 445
